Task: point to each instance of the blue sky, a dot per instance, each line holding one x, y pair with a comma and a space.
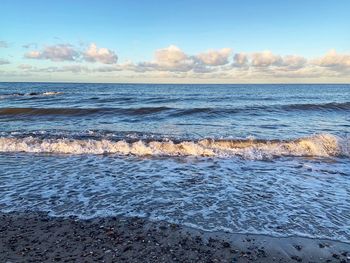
318, 31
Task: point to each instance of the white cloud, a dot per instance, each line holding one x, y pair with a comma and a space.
173, 59
215, 57
213, 65
60, 52
102, 55
171, 55
265, 59
334, 61
293, 62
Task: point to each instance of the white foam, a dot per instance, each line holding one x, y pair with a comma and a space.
50, 93
323, 145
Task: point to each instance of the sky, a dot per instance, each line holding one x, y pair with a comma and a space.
183, 41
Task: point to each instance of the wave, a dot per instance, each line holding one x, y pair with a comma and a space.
321, 106
175, 112
81, 111
30, 94
322, 145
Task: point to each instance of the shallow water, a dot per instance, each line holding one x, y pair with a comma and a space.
270, 159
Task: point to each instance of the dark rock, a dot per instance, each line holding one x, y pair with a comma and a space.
335, 256
127, 248
345, 253
296, 258
226, 244
298, 247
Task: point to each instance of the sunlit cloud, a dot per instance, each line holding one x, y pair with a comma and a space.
265, 59
334, 61
293, 61
173, 59
170, 58
215, 57
102, 55
172, 62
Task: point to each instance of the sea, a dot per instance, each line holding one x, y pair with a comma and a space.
259, 159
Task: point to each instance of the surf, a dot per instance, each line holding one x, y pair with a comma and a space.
321, 145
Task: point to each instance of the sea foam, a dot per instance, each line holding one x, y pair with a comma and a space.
322, 145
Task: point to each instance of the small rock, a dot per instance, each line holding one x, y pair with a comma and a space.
127, 248
345, 253
226, 244
296, 258
323, 245
298, 247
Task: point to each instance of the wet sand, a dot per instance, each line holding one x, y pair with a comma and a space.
36, 237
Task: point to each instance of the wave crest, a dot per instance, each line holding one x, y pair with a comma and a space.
31, 94
323, 145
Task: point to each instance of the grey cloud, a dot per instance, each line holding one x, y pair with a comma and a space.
60, 52
4, 61
3, 44
30, 45
25, 67
67, 52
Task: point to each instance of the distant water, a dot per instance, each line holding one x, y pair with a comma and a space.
269, 159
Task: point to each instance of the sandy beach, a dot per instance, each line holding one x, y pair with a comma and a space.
36, 237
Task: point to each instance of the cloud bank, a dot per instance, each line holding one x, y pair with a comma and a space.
173, 63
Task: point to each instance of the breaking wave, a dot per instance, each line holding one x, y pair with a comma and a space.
30, 94
322, 145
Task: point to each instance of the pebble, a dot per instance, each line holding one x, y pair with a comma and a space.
298, 247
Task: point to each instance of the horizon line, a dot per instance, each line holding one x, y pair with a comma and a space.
174, 83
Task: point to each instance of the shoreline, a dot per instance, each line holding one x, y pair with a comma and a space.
37, 237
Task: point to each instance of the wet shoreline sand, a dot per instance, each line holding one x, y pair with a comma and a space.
37, 237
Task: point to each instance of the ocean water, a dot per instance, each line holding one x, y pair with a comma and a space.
265, 159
